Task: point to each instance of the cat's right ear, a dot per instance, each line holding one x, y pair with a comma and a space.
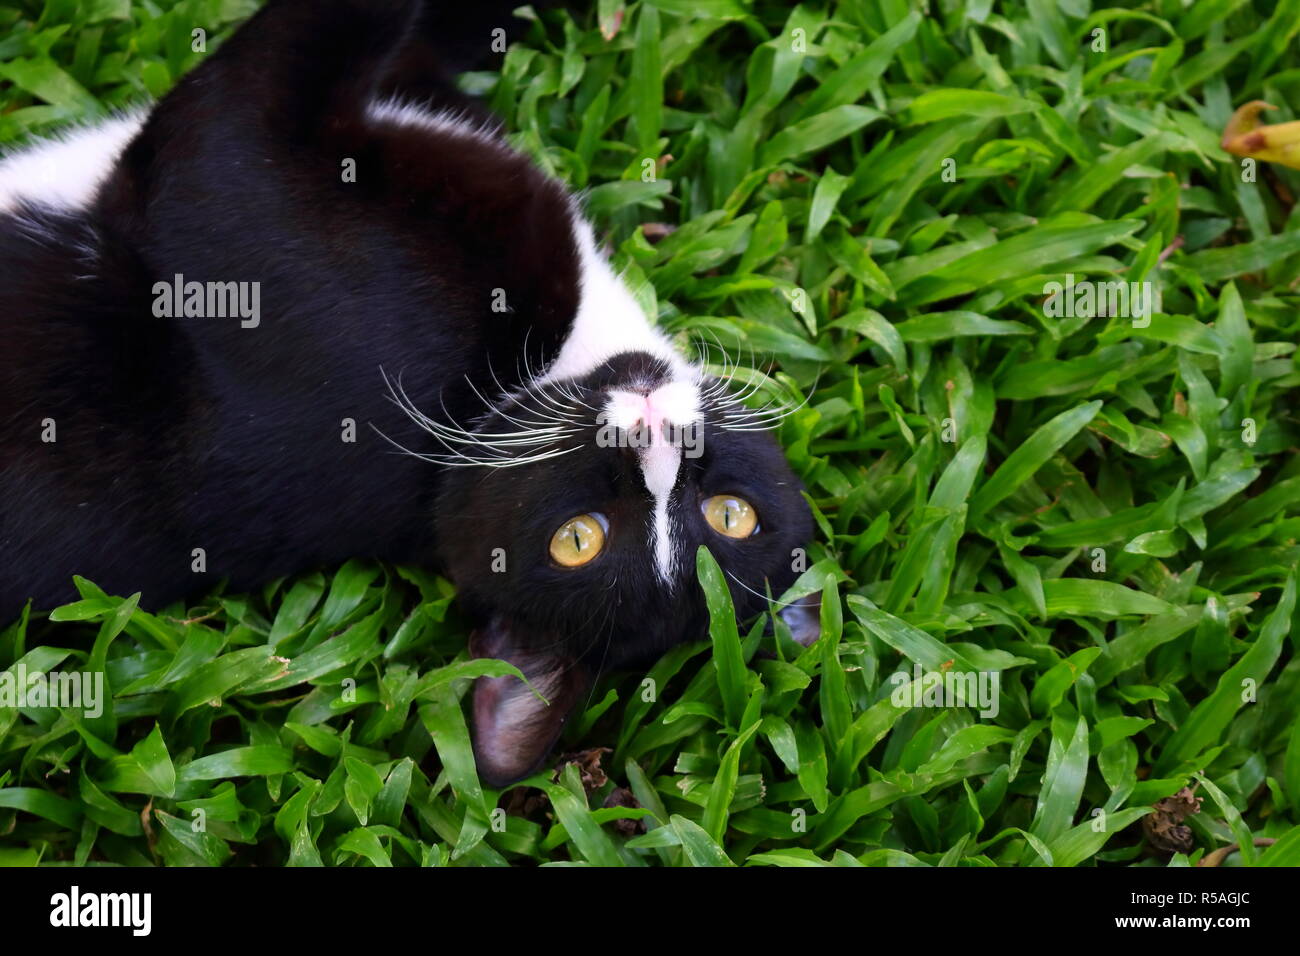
513, 729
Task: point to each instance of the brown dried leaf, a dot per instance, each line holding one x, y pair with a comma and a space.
1165, 828
623, 797
589, 769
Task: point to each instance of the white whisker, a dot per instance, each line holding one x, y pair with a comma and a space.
760, 593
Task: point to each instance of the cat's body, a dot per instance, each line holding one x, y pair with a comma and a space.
203, 416
448, 273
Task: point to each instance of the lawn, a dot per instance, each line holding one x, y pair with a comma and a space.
888, 209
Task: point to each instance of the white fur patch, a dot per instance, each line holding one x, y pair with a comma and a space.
659, 467
401, 113
674, 404
65, 171
608, 320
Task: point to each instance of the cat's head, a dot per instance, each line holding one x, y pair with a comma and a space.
570, 516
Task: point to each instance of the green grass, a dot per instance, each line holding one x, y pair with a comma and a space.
1104, 515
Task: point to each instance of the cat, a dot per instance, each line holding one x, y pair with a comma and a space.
312, 306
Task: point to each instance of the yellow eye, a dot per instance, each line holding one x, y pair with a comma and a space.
729, 515
578, 541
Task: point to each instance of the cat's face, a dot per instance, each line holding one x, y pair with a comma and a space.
572, 528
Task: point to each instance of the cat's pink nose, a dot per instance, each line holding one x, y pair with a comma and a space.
676, 403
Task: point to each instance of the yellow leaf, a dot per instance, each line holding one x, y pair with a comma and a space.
1244, 136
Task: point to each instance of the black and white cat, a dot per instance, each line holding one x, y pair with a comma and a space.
199, 305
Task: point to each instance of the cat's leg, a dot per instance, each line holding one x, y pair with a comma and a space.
298, 70
448, 39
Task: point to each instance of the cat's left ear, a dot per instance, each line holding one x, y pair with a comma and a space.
514, 730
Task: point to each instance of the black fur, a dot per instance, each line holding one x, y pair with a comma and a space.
174, 434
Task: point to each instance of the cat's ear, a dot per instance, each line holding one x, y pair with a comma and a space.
513, 729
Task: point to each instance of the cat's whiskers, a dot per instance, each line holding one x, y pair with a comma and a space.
455, 432
532, 386
719, 383
766, 417
571, 412
758, 419
552, 411
765, 596
493, 449
459, 459
730, 409
719, 390
526, 425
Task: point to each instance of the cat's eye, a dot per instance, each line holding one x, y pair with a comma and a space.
578, 540
729, 515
